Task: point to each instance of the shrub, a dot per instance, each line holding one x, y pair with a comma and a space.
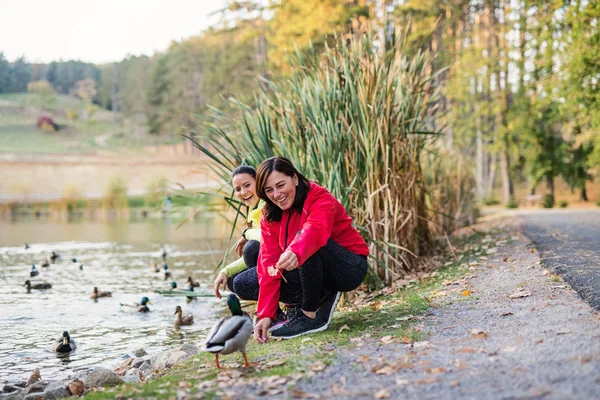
512, 203
490, 201
116, 193
563, 204
46, 123
548, 200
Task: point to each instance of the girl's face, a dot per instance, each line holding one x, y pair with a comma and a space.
245, 189
281, 189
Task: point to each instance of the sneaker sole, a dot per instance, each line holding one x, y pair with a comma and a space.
334, 305
322, 328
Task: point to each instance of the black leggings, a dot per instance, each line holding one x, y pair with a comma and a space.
332, 267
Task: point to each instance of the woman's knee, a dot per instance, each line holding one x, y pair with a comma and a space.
250, 254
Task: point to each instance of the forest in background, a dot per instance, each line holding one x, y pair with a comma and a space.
519, 82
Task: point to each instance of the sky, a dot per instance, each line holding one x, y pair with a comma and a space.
98, 31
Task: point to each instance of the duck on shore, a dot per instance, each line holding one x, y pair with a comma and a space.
97, 294
64, 344
230, 334
40, 286
182, 320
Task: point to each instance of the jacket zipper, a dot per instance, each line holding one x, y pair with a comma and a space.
287, 226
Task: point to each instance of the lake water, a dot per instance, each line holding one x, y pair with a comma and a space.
115, 258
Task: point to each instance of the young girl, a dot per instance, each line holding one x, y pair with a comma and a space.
306, 231
235, 275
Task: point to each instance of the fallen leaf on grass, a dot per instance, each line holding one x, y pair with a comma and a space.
307, 339
464, 350
520, 294
506, 314
532, 250
437, 370
421, 344
430, 379
344, 328
274, 363
401, 382
317, 367
563, 331
387, 339
478, 333
382, 394
387, 370
301, 394
362, 359
466, 292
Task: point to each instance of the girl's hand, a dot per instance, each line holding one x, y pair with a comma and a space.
239, 246
260, 330
221, 280
288, 261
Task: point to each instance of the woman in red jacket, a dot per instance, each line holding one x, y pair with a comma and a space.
305, 231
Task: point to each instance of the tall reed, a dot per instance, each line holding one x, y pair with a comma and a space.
358, 120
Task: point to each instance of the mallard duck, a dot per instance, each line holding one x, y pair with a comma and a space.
163, 253
230, 334
54, 256
97, 294
154, 267
141, 307
29, 286
64, 344
191, 283
181, 320
45, 263
34, 271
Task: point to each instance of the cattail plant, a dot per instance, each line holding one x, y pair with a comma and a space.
359, 120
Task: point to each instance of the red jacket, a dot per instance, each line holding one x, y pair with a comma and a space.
323, 217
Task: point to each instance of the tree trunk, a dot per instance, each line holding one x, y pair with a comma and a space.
583, 196
479, 166
507, 185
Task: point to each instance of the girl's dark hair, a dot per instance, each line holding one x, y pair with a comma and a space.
243, 169
271, 211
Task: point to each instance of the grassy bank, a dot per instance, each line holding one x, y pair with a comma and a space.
389, 315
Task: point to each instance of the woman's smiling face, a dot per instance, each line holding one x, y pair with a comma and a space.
281, 189
245, 189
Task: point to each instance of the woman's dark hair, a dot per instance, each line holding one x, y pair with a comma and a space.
243, 169
271, 211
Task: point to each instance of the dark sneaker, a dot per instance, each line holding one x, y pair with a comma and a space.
327, 307
291, 311
299, 325
280, 319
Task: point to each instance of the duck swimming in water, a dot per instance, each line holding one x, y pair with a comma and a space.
45, 263
40, 286
64, 344
54, 256
230, 334
192, 283
182, 320
141, 307
97, 294
34, 271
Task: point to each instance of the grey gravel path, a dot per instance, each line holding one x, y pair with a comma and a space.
569, 243
545, 345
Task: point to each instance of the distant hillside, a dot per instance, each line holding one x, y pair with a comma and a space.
103, 131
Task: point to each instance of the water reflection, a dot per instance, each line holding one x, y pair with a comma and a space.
116, 259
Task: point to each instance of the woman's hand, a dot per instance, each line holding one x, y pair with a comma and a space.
221, 280
288, 261
239, 246
260, 330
